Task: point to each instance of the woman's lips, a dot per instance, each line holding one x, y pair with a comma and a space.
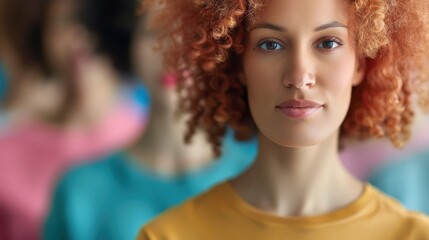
299, 109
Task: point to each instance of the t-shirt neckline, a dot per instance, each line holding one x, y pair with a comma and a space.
359, 206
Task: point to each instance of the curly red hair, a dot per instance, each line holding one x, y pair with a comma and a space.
203, 41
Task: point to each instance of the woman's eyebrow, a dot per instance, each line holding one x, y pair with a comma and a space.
333, 24
279, 28
269, 26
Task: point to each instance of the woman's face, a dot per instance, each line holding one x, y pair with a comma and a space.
300, 65
64, 38
146, 59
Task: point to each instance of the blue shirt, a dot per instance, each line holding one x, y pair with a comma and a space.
407, 180
113, 198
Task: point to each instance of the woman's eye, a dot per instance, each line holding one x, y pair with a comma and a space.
329, 44
271, 46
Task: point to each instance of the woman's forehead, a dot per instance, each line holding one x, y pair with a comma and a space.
299, 13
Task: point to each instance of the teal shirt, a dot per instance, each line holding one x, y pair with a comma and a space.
407, 180
111, 199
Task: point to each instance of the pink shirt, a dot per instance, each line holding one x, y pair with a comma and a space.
34, 155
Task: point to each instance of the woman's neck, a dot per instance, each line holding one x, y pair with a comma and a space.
90, 106
298, 181
162, 147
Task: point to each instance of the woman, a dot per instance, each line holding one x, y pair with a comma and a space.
45, 127
307, 72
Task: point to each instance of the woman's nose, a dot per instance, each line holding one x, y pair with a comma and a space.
300, 72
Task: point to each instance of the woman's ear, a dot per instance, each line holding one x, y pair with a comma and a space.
360, 71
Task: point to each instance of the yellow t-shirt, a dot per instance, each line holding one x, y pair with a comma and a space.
221, 214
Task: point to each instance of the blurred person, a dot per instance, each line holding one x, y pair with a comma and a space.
21, 53
55, 114
112, 198
21, 48
300, 75
88, 46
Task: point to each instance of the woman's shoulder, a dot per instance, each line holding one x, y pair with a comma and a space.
195, 212
202, 215
194, 208
391, 210
93, 174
